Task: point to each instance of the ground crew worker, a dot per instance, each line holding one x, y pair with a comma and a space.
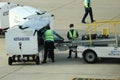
88, 9
48, 44
72, 35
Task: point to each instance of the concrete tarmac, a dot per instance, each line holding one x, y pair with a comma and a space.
62, 69
72, 11
66, 12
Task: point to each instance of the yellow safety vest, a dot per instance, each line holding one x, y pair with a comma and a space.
49, 35
86, 3
74, 35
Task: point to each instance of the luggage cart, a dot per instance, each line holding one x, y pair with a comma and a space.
24, 42
22, 45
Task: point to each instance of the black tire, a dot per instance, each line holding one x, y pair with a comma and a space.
37, 60
90, 56
10, 60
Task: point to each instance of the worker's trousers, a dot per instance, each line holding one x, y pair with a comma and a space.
70, 53
88, 11
49, 50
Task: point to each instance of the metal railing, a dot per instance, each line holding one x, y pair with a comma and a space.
114, 23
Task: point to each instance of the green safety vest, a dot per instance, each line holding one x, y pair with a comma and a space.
74, 35
49, 35
86, 3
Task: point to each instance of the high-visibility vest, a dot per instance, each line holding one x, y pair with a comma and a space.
86, 3
49, 35
74, 35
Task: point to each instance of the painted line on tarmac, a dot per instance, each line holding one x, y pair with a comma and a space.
92, 79
11, 72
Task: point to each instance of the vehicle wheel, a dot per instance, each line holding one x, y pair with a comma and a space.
37, 60
10, 60
90, 57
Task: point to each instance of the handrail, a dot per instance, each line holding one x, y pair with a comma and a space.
114, 22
